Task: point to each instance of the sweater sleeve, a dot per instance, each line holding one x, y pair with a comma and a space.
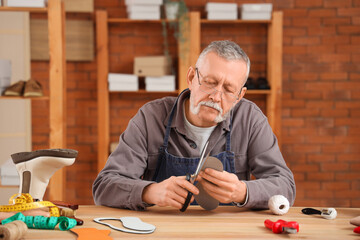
119, 184
267, 165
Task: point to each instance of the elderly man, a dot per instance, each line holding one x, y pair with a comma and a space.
163, 141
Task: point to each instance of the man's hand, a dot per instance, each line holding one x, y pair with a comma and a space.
223, 186
170, 192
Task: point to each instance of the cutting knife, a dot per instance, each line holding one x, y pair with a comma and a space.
192, 178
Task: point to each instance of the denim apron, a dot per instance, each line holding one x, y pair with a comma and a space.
169, 165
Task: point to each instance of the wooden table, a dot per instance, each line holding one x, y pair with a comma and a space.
226, 222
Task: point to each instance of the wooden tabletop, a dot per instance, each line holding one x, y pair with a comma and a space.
226, 222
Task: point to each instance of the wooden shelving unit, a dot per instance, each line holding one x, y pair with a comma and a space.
57, 84
274, 60
191, 30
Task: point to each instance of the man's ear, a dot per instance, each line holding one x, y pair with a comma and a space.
241, 95
190, 77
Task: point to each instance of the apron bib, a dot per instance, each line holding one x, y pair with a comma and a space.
169, 165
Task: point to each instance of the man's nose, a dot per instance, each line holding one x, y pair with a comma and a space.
216, 95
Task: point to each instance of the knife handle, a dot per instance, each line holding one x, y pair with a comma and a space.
188, 198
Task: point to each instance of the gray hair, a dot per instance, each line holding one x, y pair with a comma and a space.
228, 50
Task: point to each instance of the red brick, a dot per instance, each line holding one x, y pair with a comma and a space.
320, 194
347, 139
307, 95
335, 148
337, 95
294, 32
322, 12
335, 186
337, 21
347, 105
312, 104
295, 13
337, 3
308, 185
355, 20
306, 148
309, 131
348, 11
323, 48
334, 76
308, 3
321, 157
348, 48
349, 29
321, 176
305, 168
321, 86
319, 139
334, 113
306, 22
348, 157
334, 167
293, 122
332, 57
294, 49
319, 122
347, 194
304, 76
305, 112
294, 103
321, 30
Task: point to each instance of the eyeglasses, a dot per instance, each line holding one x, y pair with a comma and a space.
208, 85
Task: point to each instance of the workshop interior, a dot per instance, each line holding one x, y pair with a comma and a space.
75, 73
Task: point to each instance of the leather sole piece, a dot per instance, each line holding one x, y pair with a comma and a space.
26, 156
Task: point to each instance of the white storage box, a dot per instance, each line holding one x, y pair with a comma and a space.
221, 7
123, 82
26, 3
261, 11
222, 15
143, 2
221, 11
158, 84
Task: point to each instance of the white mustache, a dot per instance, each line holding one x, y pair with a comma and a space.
212, 105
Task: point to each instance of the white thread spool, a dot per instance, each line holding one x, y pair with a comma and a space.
329, 213
279, 204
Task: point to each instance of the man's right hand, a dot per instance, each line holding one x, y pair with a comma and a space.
170, 192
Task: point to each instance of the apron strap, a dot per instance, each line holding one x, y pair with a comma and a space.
168, 126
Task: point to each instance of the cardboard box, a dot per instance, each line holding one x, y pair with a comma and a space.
152, 66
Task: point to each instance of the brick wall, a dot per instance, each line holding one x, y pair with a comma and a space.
321, 103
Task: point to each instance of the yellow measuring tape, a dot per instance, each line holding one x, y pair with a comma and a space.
24, 201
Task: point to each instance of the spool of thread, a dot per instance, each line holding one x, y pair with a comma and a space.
279, 204
13, 231
67, 212
329, 213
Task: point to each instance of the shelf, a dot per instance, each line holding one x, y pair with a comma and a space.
19, 97
57, 87
258, 91
142, 91
234, 21
24, 9
127, 20
191, 31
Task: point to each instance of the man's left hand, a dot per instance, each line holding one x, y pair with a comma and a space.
223, 186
